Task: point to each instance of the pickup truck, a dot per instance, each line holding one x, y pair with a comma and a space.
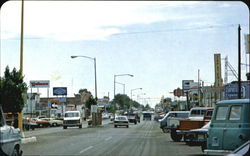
133, 118
10, 138
198, 117
72, 119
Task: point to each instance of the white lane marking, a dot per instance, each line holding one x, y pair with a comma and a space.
108, 138
84, 150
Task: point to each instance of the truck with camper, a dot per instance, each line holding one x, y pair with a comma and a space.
229, 128
10, 138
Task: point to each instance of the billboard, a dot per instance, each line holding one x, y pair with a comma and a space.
186, 84
59, 90
217, 70
231, 91
39, 84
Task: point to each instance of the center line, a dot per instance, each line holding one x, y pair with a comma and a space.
84, 150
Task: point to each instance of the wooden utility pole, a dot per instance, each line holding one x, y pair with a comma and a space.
20, 115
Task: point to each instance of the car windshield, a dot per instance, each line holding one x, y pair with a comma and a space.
72, 115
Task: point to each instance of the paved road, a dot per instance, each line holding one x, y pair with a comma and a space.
144, 139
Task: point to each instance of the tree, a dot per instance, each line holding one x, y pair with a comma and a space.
12, 90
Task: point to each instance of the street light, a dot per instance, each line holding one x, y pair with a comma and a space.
123, 86
120, 75
94, 59
133, 90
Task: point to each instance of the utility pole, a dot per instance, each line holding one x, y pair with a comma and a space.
239, 65
20, 115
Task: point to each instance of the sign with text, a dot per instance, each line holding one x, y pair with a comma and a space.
39, 84
94, 108
59, 90
186, 84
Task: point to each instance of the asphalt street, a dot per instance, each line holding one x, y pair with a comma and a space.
143, 139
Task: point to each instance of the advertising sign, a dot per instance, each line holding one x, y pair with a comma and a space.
186, 84
217, 70
59, 90
39, 84
231, 91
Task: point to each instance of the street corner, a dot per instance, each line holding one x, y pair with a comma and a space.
28, 140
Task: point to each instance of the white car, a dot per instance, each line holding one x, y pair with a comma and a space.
121, 121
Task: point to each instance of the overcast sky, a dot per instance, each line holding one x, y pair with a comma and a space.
160, 43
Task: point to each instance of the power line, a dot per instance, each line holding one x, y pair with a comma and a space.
179, 29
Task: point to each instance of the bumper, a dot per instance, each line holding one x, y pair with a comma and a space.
216, 152
121, 124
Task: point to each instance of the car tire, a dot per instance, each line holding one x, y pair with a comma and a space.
15, 152
80, 126
115, 126
127, 126
65, 127
175, 137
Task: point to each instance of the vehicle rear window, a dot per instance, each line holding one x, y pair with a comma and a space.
182, 115
235, 113
221, 113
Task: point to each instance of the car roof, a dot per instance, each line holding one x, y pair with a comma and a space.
178, 112
234, 101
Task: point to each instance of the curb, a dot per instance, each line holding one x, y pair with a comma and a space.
28, 140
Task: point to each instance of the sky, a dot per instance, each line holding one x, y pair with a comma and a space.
161, 43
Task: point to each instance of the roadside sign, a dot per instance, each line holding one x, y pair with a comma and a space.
39, 84
59, 90
94, 108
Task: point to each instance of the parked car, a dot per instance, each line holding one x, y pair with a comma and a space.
230, 126
176, 114
54, 122
121, 121
197, 137
41, 122
196, 119
29, 124
10, 139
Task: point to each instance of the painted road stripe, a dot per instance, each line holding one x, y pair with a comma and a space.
84, 150
108, 138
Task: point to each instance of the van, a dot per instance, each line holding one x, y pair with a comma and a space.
72, 119
230, 126
178, 114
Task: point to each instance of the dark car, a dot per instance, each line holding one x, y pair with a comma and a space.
147, 116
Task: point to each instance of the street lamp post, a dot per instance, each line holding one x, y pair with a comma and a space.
94, 59
131, 95
123, 87
133, 90
120, 75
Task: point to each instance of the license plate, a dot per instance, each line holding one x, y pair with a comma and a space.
200, 137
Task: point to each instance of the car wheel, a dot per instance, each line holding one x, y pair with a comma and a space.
127, 126
115, 126
175, 137
65, 127
165, 130
15, 152
80, 126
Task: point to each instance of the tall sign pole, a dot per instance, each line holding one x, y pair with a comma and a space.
239, 65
